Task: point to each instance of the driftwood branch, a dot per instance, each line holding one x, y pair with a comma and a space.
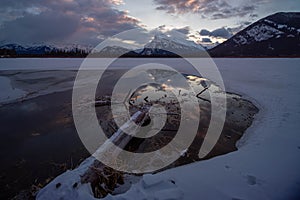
99, 175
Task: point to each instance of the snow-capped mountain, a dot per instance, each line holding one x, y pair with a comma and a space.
166, 45
33, 50
161, 40
111, 51
160, 46
275, 35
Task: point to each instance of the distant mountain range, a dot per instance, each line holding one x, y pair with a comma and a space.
277, 35
42, 50
160, 46
19, 49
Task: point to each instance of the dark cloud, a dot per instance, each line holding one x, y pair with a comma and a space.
224, 32
247, 23
204, 32
46, 26
207, 40
236, 29
184, 30
217, 33
253, 16
214, 9
221, 33
62, 21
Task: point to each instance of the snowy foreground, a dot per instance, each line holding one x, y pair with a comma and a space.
267, 164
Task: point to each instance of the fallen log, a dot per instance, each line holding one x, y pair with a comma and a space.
91, 176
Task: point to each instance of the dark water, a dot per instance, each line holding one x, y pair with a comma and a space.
38, 136
38, 142
39, 139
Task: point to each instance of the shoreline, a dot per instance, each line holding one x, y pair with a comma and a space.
223, 146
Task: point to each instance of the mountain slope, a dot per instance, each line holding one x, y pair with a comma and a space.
275, 35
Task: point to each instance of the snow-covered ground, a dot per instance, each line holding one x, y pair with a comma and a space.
267, 164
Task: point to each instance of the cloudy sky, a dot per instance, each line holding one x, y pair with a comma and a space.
88, 22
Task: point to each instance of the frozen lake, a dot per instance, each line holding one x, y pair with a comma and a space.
269, 152
25, 72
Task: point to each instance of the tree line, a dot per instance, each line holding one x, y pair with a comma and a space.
74, 53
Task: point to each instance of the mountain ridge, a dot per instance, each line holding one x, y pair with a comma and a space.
277, 35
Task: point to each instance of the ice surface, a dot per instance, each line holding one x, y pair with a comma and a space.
40, 63
8, 92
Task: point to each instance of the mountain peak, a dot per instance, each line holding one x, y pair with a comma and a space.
291, 19
174, 38
171, 45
